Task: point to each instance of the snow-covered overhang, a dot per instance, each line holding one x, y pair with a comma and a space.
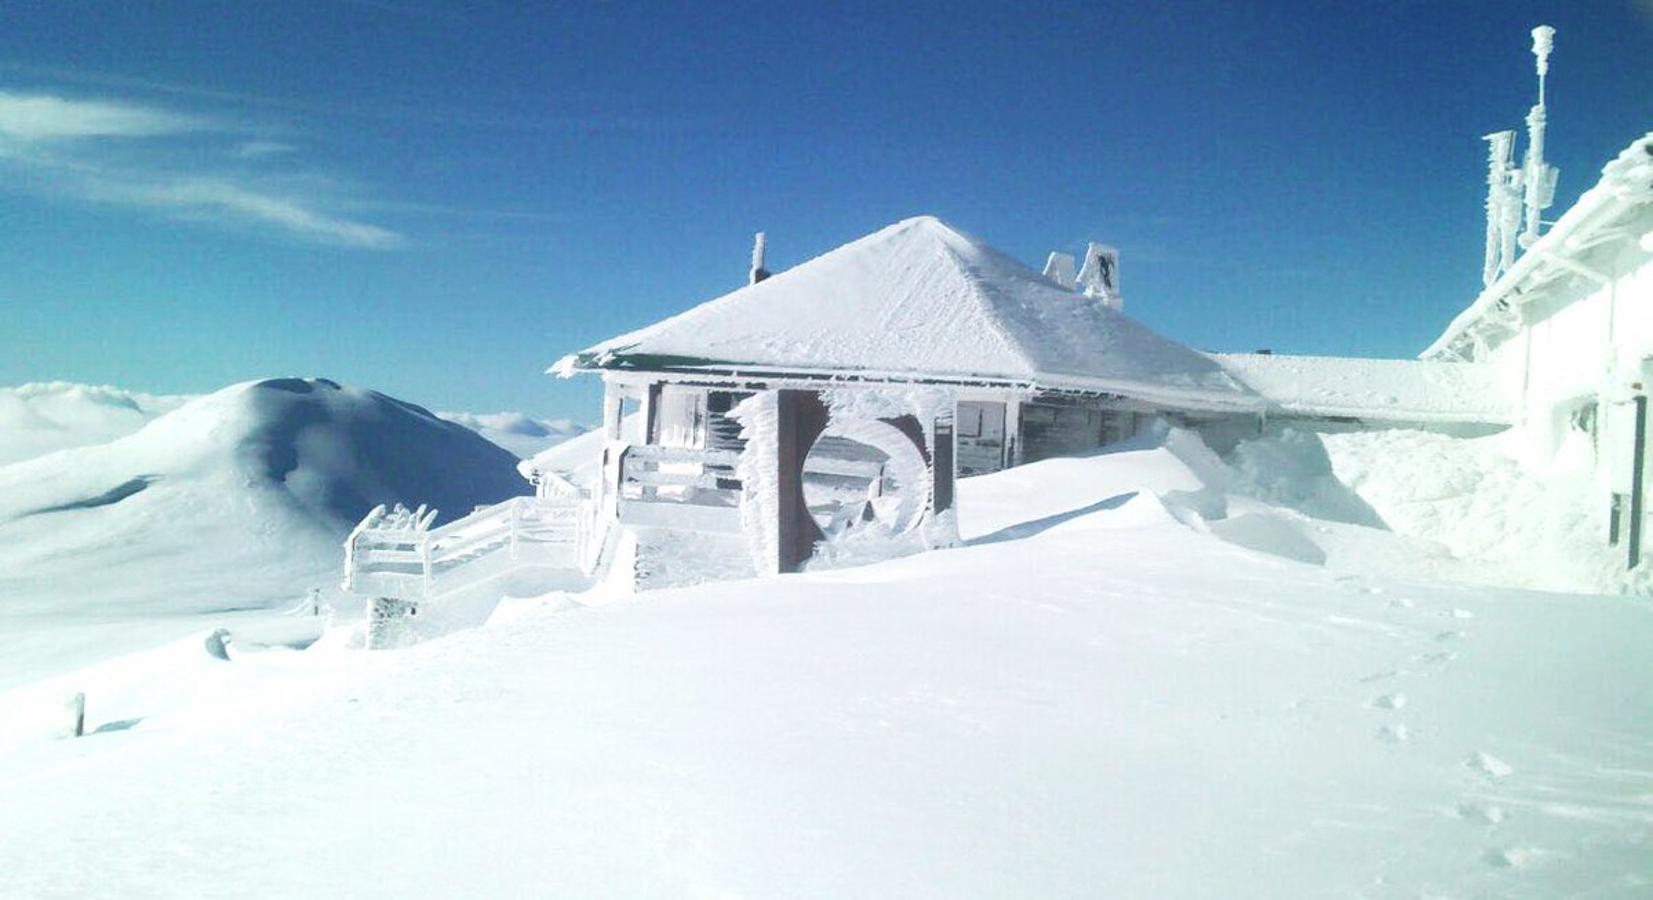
1174, 396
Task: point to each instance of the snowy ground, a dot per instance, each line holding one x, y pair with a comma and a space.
1116, 689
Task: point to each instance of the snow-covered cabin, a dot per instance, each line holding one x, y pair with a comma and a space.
1568, 328
842, 397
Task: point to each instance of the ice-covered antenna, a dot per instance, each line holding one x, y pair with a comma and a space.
758, 273
1539, 177
1503, 205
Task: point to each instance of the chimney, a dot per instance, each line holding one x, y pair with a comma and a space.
1059, 268
1099, 276
758, 272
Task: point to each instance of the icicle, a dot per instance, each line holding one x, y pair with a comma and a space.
1503, 205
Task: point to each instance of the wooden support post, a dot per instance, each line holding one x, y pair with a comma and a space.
800, 417
943, 469
77, 715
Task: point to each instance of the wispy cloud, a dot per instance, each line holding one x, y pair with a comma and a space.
261, 149
37, 117
63, 147
208, 198
599, 116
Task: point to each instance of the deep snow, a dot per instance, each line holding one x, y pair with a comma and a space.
1108, 692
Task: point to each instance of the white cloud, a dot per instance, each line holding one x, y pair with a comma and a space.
215, 198
261, 149
25, 117
57, 146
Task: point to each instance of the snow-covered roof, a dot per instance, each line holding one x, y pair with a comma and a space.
1617, 208
1390, 390
919, 300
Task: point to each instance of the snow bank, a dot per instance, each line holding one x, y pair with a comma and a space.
1468, 495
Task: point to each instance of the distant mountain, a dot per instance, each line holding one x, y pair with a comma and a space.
44, 417
237, 500
520, 434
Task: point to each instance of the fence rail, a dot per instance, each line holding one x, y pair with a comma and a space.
398, 551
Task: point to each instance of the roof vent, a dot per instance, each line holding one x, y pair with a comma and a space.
758, 272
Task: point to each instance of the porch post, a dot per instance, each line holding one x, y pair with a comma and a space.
800, 417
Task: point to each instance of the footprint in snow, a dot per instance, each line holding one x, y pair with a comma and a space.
1394, 734
1485, 813
1489, 765
1445, 636
1439, 657
1380, 676
1509, 857
1401, 603
1390, 701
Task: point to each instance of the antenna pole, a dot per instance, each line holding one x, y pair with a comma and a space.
1540, 178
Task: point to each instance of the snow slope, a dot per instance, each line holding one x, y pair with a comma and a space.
1098, 696
523, 435
233, 504
41, 417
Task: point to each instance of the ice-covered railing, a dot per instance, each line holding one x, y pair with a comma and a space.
396, 551
679, 487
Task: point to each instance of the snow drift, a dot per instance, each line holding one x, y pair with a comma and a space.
234, 502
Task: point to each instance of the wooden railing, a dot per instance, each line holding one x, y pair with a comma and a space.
396, 551
676, 487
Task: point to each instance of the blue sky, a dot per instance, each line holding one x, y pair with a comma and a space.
438, 200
